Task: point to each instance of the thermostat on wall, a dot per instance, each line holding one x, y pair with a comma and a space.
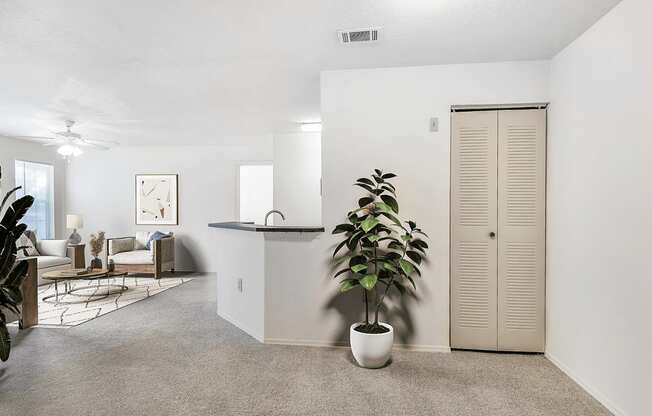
434, 124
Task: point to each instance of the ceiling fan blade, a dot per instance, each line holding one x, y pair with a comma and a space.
83, 142
102, 142
39, 139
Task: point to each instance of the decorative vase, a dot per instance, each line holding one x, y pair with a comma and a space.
96, 263
371, 350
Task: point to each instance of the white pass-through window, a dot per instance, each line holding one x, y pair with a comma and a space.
256, 192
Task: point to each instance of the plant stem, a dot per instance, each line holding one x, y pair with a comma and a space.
389, 284
366, 307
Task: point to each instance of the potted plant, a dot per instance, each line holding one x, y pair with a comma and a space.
97, 243
12, 273
379, 253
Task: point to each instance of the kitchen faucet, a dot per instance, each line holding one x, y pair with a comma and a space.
274, 211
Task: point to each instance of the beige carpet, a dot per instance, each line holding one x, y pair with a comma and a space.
172, 355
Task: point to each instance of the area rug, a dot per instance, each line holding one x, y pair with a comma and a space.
65, 315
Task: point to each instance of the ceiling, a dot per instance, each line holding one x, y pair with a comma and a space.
223, 72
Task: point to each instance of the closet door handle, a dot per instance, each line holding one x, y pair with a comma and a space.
492, 235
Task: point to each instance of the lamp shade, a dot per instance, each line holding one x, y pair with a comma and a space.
74, 222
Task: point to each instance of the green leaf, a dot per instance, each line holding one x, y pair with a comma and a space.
339, 246
373, 238
341, 272
369, 281
385, 188
365, 186
414, 256
412, 224
348, 284
383, 207
411, 281
378, 172
418, 231
392, 256
369, 223
378, 179
17, 275
407, 267
392, 218
419, 244
366, 180
391, 201
395, 245
389, 266
358, 268
343, 228
364, 201
406, 237
352, 242
388, 176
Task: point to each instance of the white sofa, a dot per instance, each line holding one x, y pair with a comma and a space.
52, 256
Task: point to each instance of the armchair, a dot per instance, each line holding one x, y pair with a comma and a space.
130, 254
51, 255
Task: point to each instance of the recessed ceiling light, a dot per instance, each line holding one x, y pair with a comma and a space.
311, 127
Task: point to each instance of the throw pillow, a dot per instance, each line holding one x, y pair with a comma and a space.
142, 238
156, 236
31, 234
25, 247
120, 245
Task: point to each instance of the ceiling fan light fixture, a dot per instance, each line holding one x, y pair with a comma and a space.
69, 150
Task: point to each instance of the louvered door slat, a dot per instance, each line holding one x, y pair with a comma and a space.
521, 230
473, 216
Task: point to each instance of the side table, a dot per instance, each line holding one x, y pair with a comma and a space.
76, 253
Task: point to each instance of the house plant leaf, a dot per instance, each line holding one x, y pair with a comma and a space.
369, 281
389, 200
369, 223
406, 266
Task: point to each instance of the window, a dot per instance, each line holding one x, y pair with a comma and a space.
37, 180
256, 189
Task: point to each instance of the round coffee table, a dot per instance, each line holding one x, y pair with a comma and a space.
66, 276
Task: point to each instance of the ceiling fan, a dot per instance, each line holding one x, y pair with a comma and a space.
69, 142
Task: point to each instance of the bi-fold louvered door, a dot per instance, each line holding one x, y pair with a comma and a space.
498, 230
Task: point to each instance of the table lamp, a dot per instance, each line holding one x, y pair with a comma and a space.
74, 222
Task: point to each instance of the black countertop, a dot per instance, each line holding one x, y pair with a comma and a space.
250, 226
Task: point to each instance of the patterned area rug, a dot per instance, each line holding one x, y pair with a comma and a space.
65, 313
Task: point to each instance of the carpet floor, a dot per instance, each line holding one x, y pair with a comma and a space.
172, 355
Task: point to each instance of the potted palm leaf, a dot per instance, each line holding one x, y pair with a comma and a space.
379, 252
12, 273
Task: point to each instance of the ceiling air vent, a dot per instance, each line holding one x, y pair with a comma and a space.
368, 35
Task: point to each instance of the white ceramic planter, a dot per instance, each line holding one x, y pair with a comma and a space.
371, 350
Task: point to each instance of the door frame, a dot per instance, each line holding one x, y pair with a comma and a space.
454, 108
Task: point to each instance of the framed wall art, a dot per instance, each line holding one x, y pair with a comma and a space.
157, 199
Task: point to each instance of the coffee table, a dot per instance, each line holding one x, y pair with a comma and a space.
66, 276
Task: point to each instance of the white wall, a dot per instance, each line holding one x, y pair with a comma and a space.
297, 176
11, 149
379, 118
255, 192
600, 210
100, 186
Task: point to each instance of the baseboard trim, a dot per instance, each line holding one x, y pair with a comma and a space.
597, 394
327, 344
241, 327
